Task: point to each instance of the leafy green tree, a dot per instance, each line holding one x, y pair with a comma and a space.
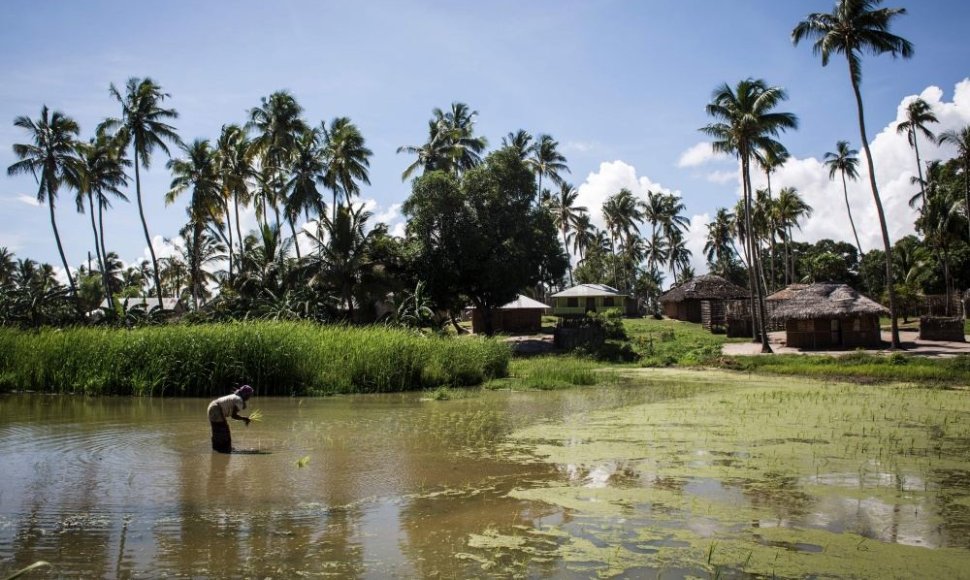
143, 125
483, 236
961, 140
942, 220
51, 157
919, 114
852, 28
746, 122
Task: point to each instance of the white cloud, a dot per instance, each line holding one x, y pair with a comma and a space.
610, 179
29, 200
699, 155
579, 146
722, 176
895, 165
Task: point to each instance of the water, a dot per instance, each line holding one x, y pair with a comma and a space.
649, 478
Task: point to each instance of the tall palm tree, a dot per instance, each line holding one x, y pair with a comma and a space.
278, 125
236, 170
345, 257
566, 214
302, 195
961, 139
8, 264
347, 160
143, 125
918, 115
719, 246
623, 215
845, 161
521, 141
746, 123
433, 155
199, 172
678, 254
852, 28
547, 161
457, 125
585, 234
51, 157
792, 209
102, 173
942, 220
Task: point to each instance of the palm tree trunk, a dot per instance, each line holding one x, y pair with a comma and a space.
104, 252
613, 253
966, 191
60, 250
919, 168
194, 273
229, 241
565, 245
296, 243
757, 274
887, 245
855, 234
97, 251
144, 226
235, 203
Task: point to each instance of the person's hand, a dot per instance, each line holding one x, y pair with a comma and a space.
246, 419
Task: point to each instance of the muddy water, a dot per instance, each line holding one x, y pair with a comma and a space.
669, 474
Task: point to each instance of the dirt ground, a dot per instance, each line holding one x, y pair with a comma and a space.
910, 339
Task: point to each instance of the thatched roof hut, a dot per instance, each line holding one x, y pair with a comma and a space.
829, 315
701, 300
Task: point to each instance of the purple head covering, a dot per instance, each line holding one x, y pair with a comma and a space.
245, 391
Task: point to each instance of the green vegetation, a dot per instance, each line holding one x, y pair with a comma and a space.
664, 343
277, 358
861, 366
553, 372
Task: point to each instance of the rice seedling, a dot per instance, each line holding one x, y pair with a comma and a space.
256, 415
303, 461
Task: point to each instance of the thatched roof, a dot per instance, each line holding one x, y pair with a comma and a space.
786, 292
826, 301
709, 287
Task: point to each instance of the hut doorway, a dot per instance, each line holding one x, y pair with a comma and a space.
836, 329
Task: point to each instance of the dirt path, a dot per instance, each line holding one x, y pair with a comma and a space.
910, 339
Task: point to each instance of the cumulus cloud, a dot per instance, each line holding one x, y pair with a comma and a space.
610, 179
722, 176
699, 155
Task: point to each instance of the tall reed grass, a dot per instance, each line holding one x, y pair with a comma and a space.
277, 358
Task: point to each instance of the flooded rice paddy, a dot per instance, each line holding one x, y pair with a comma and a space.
666, 474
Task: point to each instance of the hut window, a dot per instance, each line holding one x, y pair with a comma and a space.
608, 301
857, 324
572, 302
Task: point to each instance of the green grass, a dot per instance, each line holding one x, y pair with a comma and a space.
860, 367
553, 372
277, 358
664, 343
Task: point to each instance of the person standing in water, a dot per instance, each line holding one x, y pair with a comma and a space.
221, 410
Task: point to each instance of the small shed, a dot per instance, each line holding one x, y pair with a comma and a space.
701, 299
521, 316
582, 298
829, 316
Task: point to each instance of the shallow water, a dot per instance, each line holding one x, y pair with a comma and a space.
669, 474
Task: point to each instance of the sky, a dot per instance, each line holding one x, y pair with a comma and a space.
622, 85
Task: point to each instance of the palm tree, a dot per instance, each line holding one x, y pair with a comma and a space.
236, 169
51, 157
102, 172
678, 255
941, 220
278, 125
521, 141
143, 125
791, 210
622, 214
345, 257
347, 159
719, 247
565, 215
585, 234
434, 155
852, 28
845, 161
458, 128
745, 124
918, 115
200, 173
961, 139
547, 161
8, 265
302, 194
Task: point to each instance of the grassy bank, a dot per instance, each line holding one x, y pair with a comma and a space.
859, 367
546, 373
665, 343
276, 358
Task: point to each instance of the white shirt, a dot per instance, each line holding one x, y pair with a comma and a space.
228, 404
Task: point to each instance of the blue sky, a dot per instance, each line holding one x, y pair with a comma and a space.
621, 84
